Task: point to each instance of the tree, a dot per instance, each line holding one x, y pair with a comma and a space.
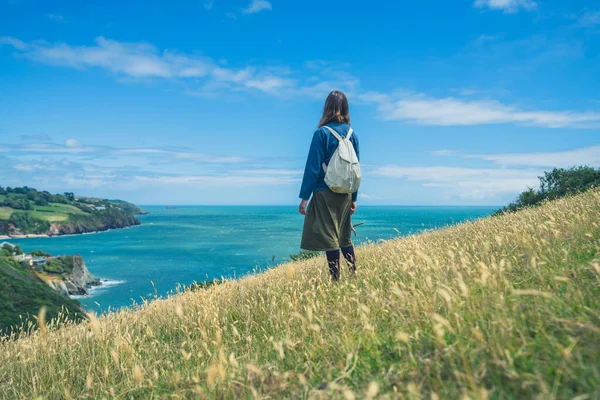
26, 223
40, 253
555, 184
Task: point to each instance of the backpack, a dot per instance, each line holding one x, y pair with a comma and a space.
343, 174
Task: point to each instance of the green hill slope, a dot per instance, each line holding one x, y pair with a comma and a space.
504, 307
22, 295
25, 211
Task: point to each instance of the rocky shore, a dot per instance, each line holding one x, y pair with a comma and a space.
75, 283
62, 230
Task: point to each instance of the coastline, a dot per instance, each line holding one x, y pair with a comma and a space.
45, 235
5, 237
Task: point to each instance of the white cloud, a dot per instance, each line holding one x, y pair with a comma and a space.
568, 158
143, 61
232, 179
14, 42
450, 111
256, 6
74, 148
24, 167
444, 152
42, 148
206, 77
56, 17
62, 174
73, 143
589, 18
466, 183
269, 84
508, 6
484, 39
291, 172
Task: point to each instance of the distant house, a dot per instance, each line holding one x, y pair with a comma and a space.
23, 257
38, 261
99, 208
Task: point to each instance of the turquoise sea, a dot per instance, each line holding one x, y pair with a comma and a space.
197, 243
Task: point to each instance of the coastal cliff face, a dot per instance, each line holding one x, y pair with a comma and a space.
78, 225
86, 225
76, 282
22, 294
27, 212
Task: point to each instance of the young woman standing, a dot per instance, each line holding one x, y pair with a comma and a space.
328, 225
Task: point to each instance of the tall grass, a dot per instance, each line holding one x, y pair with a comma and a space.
505, 307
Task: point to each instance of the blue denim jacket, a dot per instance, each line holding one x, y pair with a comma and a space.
322, 147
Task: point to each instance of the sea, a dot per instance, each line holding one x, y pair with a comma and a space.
175, 247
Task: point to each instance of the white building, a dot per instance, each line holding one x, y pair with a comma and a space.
23, 257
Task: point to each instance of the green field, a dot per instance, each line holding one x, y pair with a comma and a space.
505, 307
50, 217
53, 212
60, 208
26, 210
5, 212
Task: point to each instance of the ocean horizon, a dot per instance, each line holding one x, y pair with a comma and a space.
182, 244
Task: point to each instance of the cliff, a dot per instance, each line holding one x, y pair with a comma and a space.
69, 275
96, 223
23, 294
26, 211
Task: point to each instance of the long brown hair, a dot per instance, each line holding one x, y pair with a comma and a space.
336, 109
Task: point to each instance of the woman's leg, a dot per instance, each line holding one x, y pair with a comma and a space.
333, 259
349, 255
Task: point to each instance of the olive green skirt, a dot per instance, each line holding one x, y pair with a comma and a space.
328, 224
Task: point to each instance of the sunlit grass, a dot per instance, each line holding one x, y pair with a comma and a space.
504, 307
50, 217
59, 209
5, 212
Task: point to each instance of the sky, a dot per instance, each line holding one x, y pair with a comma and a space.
455, 102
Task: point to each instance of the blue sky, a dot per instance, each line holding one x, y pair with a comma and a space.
215, 102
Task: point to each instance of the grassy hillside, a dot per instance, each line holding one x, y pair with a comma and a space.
22, 295
29, 211
506, 307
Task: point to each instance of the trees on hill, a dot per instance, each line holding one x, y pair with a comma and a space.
554, 184
39, 198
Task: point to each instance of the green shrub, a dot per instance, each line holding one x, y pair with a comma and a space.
304, 255
59, 265
27, 223
555, 184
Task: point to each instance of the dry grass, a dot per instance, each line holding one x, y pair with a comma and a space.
505, 307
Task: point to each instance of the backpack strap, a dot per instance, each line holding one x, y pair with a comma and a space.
349, 134
334, 133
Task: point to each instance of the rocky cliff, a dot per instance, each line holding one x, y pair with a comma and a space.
96, 223
23, 294
77, 281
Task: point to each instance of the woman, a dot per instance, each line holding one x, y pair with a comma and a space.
327, 225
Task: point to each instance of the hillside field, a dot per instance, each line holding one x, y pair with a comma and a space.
25, 211
503, 307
